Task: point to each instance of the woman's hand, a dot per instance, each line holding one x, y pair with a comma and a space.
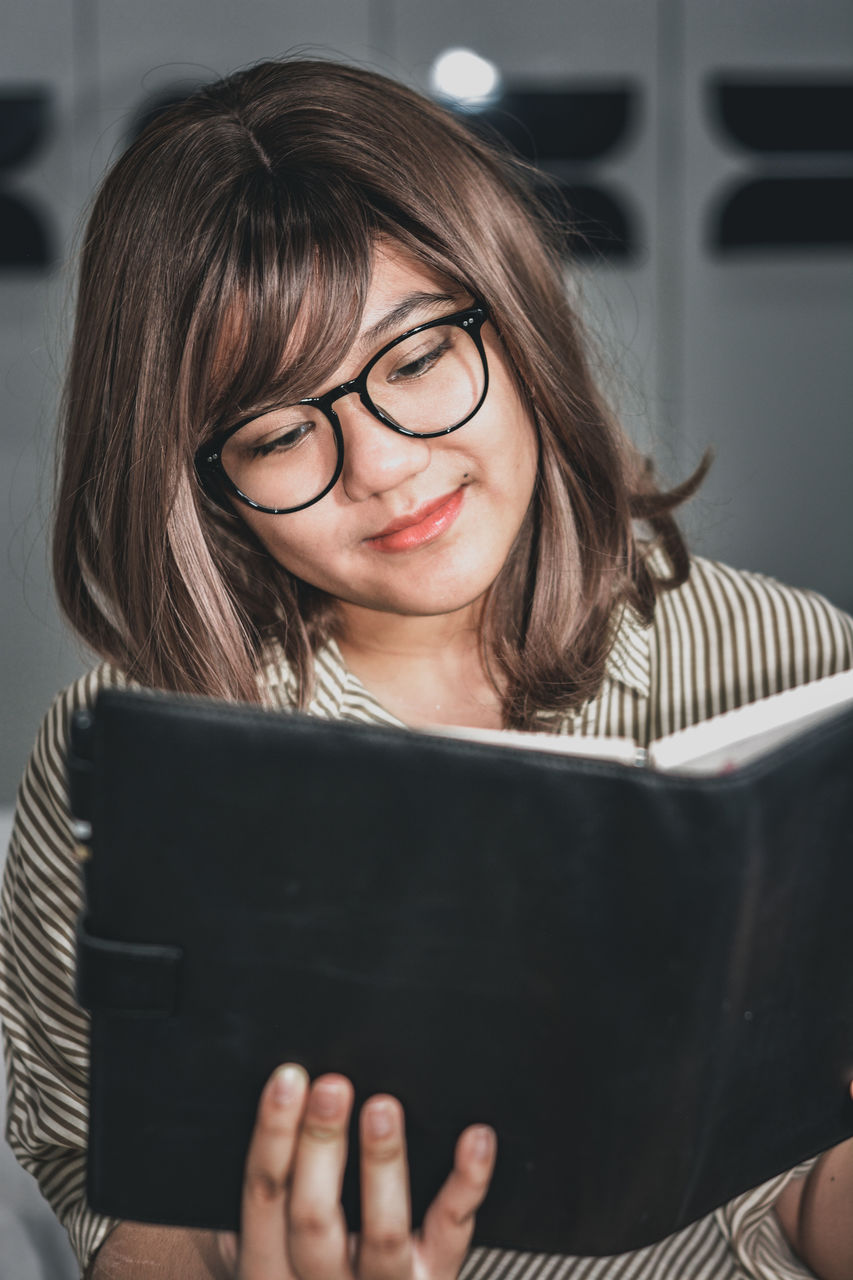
816, 1213
292, 1225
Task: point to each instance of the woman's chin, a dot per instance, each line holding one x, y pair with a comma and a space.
422, 599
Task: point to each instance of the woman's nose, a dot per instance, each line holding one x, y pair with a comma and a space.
376, 458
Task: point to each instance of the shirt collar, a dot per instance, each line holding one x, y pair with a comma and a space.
339, 694
629, 660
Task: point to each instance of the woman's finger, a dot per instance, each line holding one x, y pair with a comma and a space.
227, 1250
317, 1234
385, 1249
449, 1222
263, 1249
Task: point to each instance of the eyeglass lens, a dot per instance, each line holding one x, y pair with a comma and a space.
427, 382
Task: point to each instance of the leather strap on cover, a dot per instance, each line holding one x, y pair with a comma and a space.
136, 979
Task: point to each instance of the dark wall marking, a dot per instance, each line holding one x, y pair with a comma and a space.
567, 133
797, 133
26, 238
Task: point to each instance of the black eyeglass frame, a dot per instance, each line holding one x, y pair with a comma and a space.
208, 458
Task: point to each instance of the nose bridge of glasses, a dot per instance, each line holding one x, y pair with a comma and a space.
353, 386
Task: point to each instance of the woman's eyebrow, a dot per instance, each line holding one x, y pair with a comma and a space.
394, 320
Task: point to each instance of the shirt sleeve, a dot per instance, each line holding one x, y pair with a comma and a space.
727, 637
45, 1033
754, 1233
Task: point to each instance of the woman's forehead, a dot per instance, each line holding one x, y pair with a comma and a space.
402, 292
337, 325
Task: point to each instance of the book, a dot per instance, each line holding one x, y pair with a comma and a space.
640, 976
723, 742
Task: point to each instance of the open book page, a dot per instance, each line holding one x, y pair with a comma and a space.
715, 746
736, 737
621, 750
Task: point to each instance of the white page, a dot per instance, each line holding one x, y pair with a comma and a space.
621, 750
732, 739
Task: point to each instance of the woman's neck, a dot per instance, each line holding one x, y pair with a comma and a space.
424, 670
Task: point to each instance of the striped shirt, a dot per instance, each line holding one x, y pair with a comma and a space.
722, 639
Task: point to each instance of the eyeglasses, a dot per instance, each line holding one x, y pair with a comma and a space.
428, 382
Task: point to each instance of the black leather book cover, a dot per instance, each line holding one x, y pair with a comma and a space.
644, 982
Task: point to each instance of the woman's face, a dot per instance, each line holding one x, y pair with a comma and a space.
454, 503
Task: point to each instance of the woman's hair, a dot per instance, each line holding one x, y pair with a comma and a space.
258, 200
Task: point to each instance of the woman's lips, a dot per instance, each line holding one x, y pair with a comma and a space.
422, 526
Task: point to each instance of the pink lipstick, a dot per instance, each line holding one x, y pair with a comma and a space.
421, 526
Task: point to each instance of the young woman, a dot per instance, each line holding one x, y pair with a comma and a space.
331, 441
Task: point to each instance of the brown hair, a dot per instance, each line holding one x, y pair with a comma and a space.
259, 198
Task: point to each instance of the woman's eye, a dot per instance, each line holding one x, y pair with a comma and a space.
417, 367
282, 442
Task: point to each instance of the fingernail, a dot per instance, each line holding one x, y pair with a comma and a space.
326, 1099
287, 1084
380, 1120
483, 1142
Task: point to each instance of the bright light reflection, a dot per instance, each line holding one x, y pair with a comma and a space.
465, 77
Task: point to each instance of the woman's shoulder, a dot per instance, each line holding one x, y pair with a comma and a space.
46, 767
44, 776
790, 629
41, 884
727, 636
81, 694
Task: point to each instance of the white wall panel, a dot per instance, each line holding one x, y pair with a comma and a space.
747, 355
146, 48
577, 43
37, 52
767, 336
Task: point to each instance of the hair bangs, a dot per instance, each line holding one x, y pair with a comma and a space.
293, 280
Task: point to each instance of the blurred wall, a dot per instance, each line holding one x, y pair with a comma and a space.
721, 285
